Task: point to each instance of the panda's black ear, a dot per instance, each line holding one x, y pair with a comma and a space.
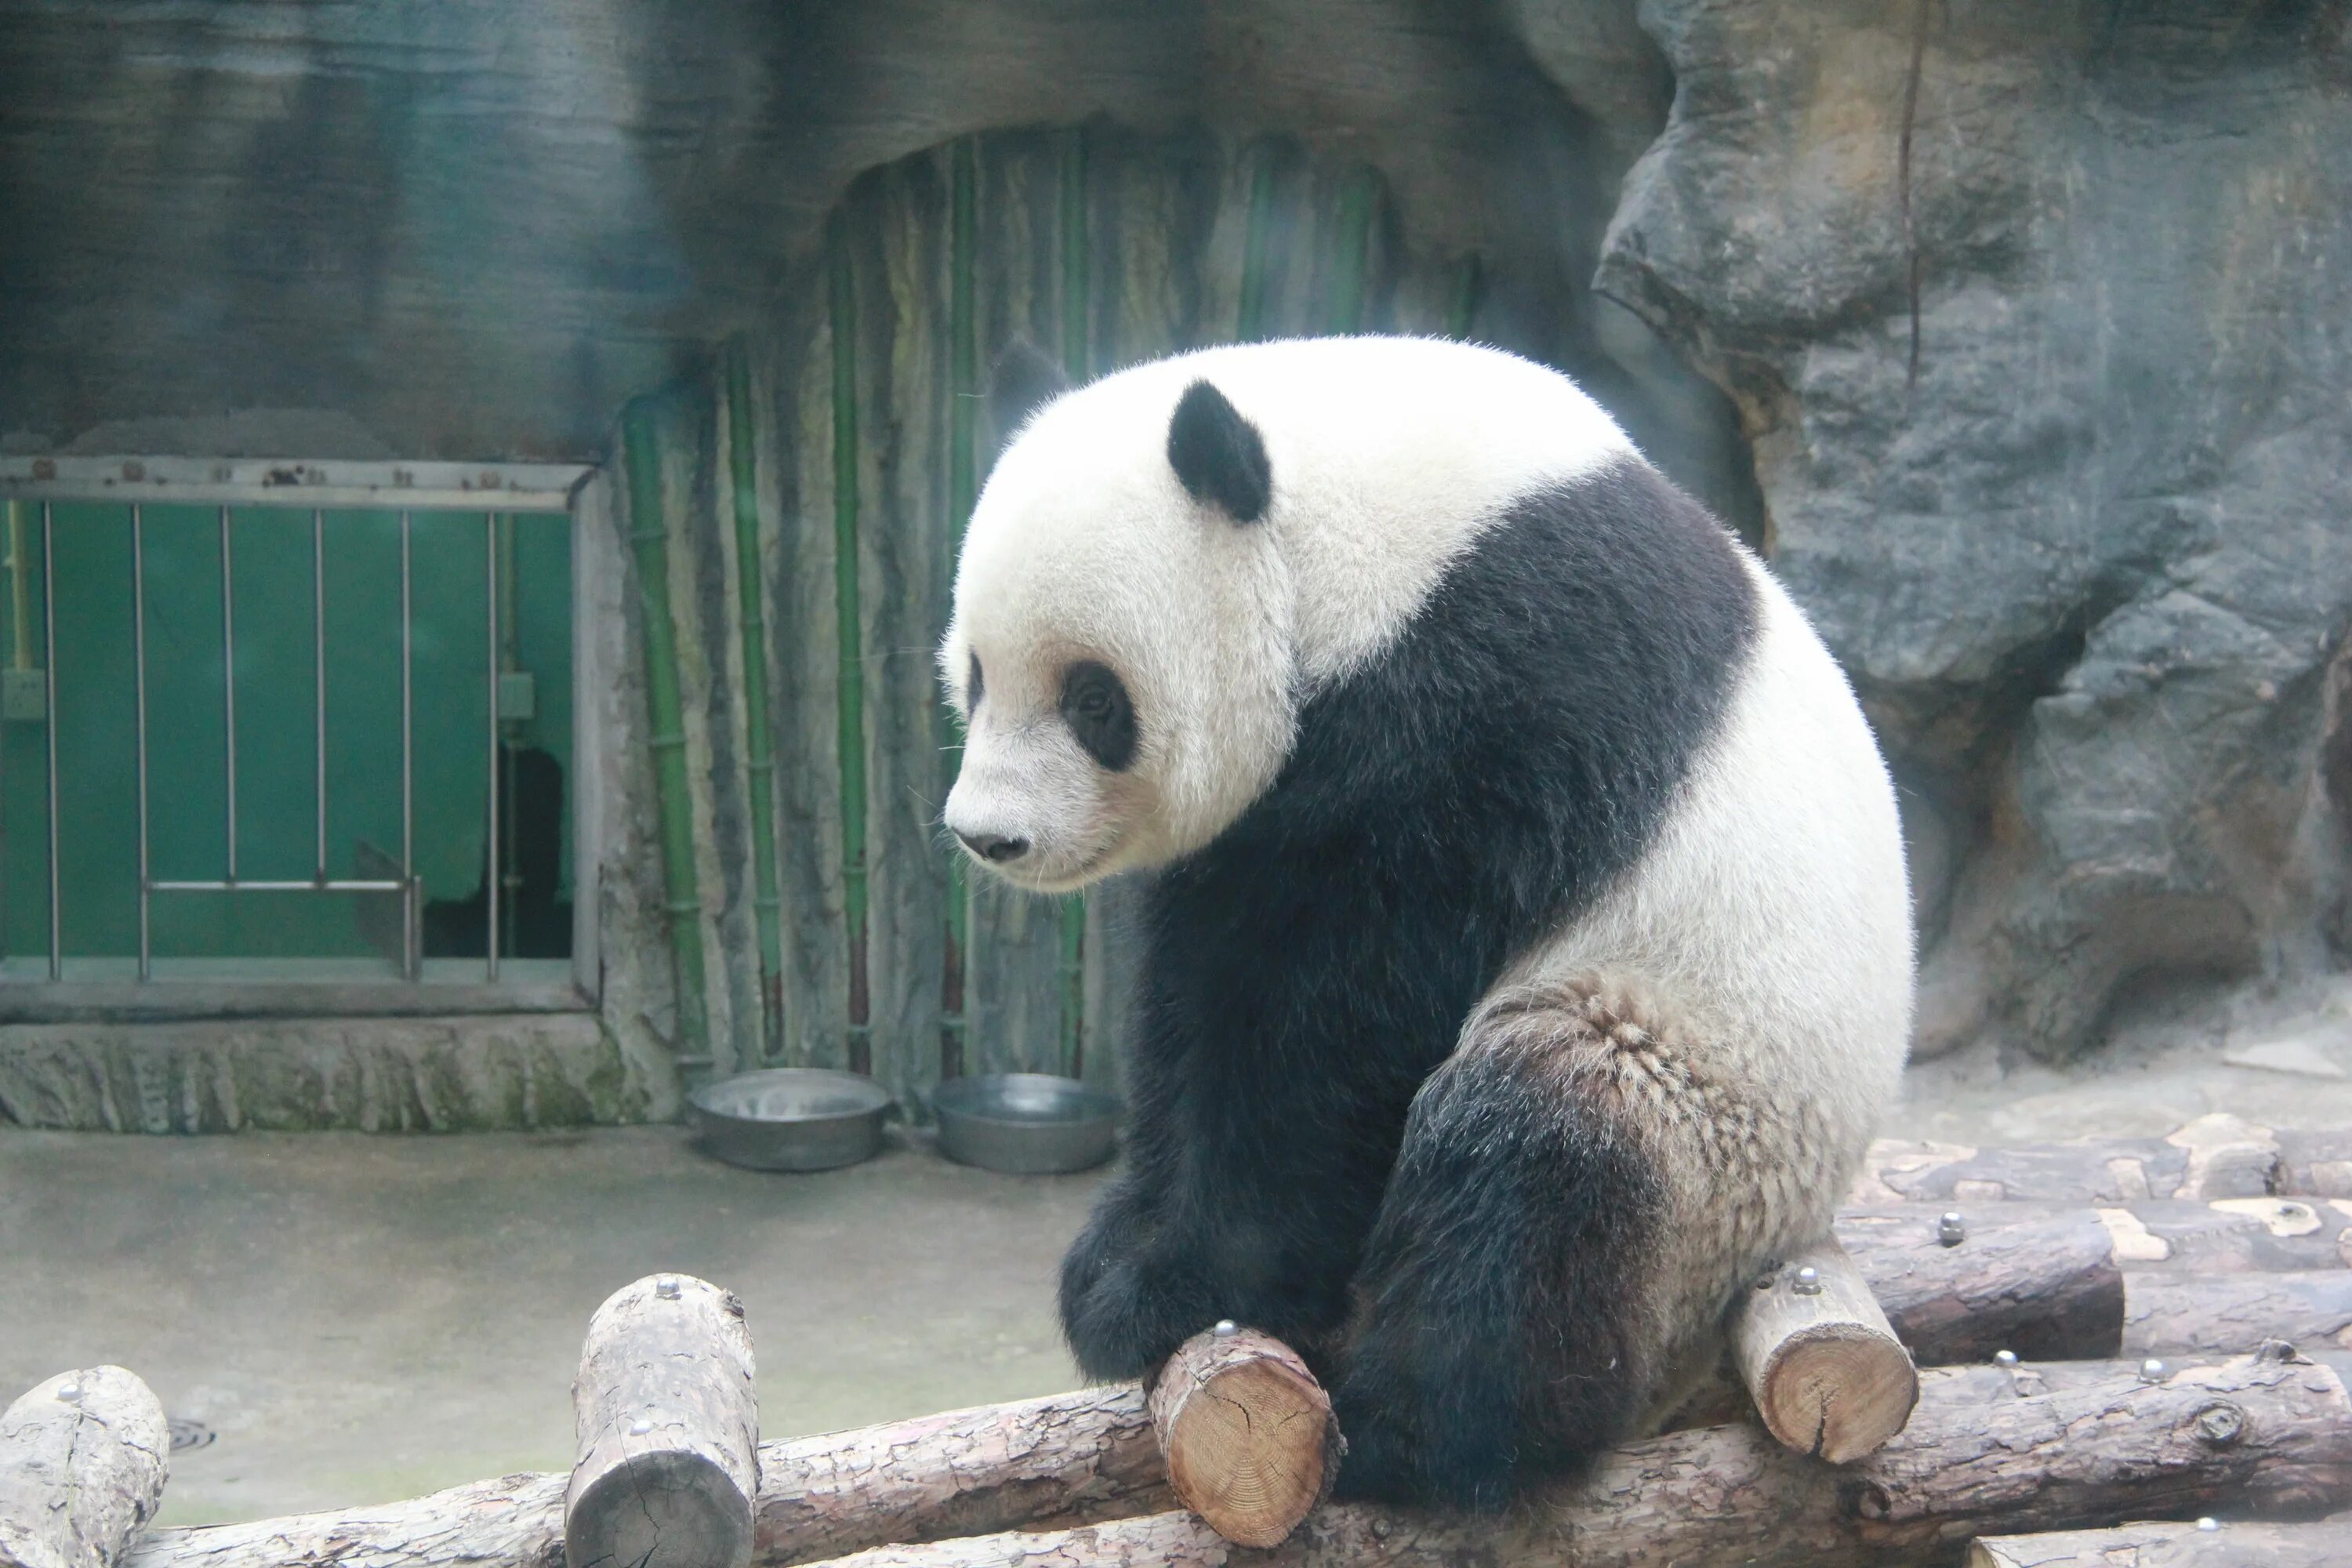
1218, 455
1023, 380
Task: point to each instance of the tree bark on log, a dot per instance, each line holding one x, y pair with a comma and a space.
1251, 1443
2173, 1545
1068, 1458
83, 1458
2229, 1315
2211, 1157
1816, 1354
669, 1431
2261, 1432
2316, 1164
2042, 1282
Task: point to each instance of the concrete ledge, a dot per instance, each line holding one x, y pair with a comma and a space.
373, 1075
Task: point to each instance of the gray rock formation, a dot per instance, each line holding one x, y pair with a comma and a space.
2037, 318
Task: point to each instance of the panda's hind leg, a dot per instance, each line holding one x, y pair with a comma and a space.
1533, 1277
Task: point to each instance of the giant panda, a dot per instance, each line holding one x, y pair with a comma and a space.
1525, 945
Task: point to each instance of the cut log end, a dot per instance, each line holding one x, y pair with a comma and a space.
1839, 1390
1827, 1373
1248, 1434
668, 1506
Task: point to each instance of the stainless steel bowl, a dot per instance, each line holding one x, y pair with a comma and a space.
790, 1119
1025, 1123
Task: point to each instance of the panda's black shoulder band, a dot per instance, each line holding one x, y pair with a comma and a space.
1218, 455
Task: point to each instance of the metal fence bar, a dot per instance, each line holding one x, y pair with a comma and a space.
345, 885
50, 701
490, 873
411, 958
139, 675
228, 679
319, 671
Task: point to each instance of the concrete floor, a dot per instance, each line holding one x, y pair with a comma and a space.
361, 1318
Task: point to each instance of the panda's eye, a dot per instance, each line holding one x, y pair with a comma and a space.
1095, 706
972, 686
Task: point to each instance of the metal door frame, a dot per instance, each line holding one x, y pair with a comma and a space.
317, 487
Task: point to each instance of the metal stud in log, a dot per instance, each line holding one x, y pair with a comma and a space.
83, 1458
2203, 1543
1251, 1443
1820, 1361
669, 1431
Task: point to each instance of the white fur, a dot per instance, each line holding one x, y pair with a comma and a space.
1770, 917
1388, 456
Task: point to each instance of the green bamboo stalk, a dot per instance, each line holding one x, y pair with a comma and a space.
21, 655
1469, 287
1251, 319
649, 538
963, 485
851, 713
760, 764
1075, 365
1359, 195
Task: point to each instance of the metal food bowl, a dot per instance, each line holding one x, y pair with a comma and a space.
790, 1119
1025, 1123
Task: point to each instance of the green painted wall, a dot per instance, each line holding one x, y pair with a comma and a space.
276, 709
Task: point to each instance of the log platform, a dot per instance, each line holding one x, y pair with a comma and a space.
1977, 1459
2129, 1283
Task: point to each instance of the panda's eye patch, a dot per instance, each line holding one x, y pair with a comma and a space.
972, 686
1095, 706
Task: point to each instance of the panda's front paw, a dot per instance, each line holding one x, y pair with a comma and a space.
1128, 1298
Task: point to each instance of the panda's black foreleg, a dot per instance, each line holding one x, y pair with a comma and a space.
1132, 1286
1500, 1331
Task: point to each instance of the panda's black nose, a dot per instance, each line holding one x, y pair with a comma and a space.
994, 845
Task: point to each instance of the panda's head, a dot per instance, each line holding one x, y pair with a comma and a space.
1120, 647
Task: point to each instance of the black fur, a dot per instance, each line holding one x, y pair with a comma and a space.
1219, 456
1517, 1218
1487, 775
1021, 379
1096, 707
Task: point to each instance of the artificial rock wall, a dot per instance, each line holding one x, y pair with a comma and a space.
2016, 335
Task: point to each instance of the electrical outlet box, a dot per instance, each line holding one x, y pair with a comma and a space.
24, 696
518, 695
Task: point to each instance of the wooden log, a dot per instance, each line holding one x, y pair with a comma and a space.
2210, 1545
1064, 1459
669, 1431
1251, 1443
1816, 1353
83, 1458
2229, 1236
2229, 1315
2256, 1433
2042, 1282
2048, 1283
2316, 1164
2212, 1157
